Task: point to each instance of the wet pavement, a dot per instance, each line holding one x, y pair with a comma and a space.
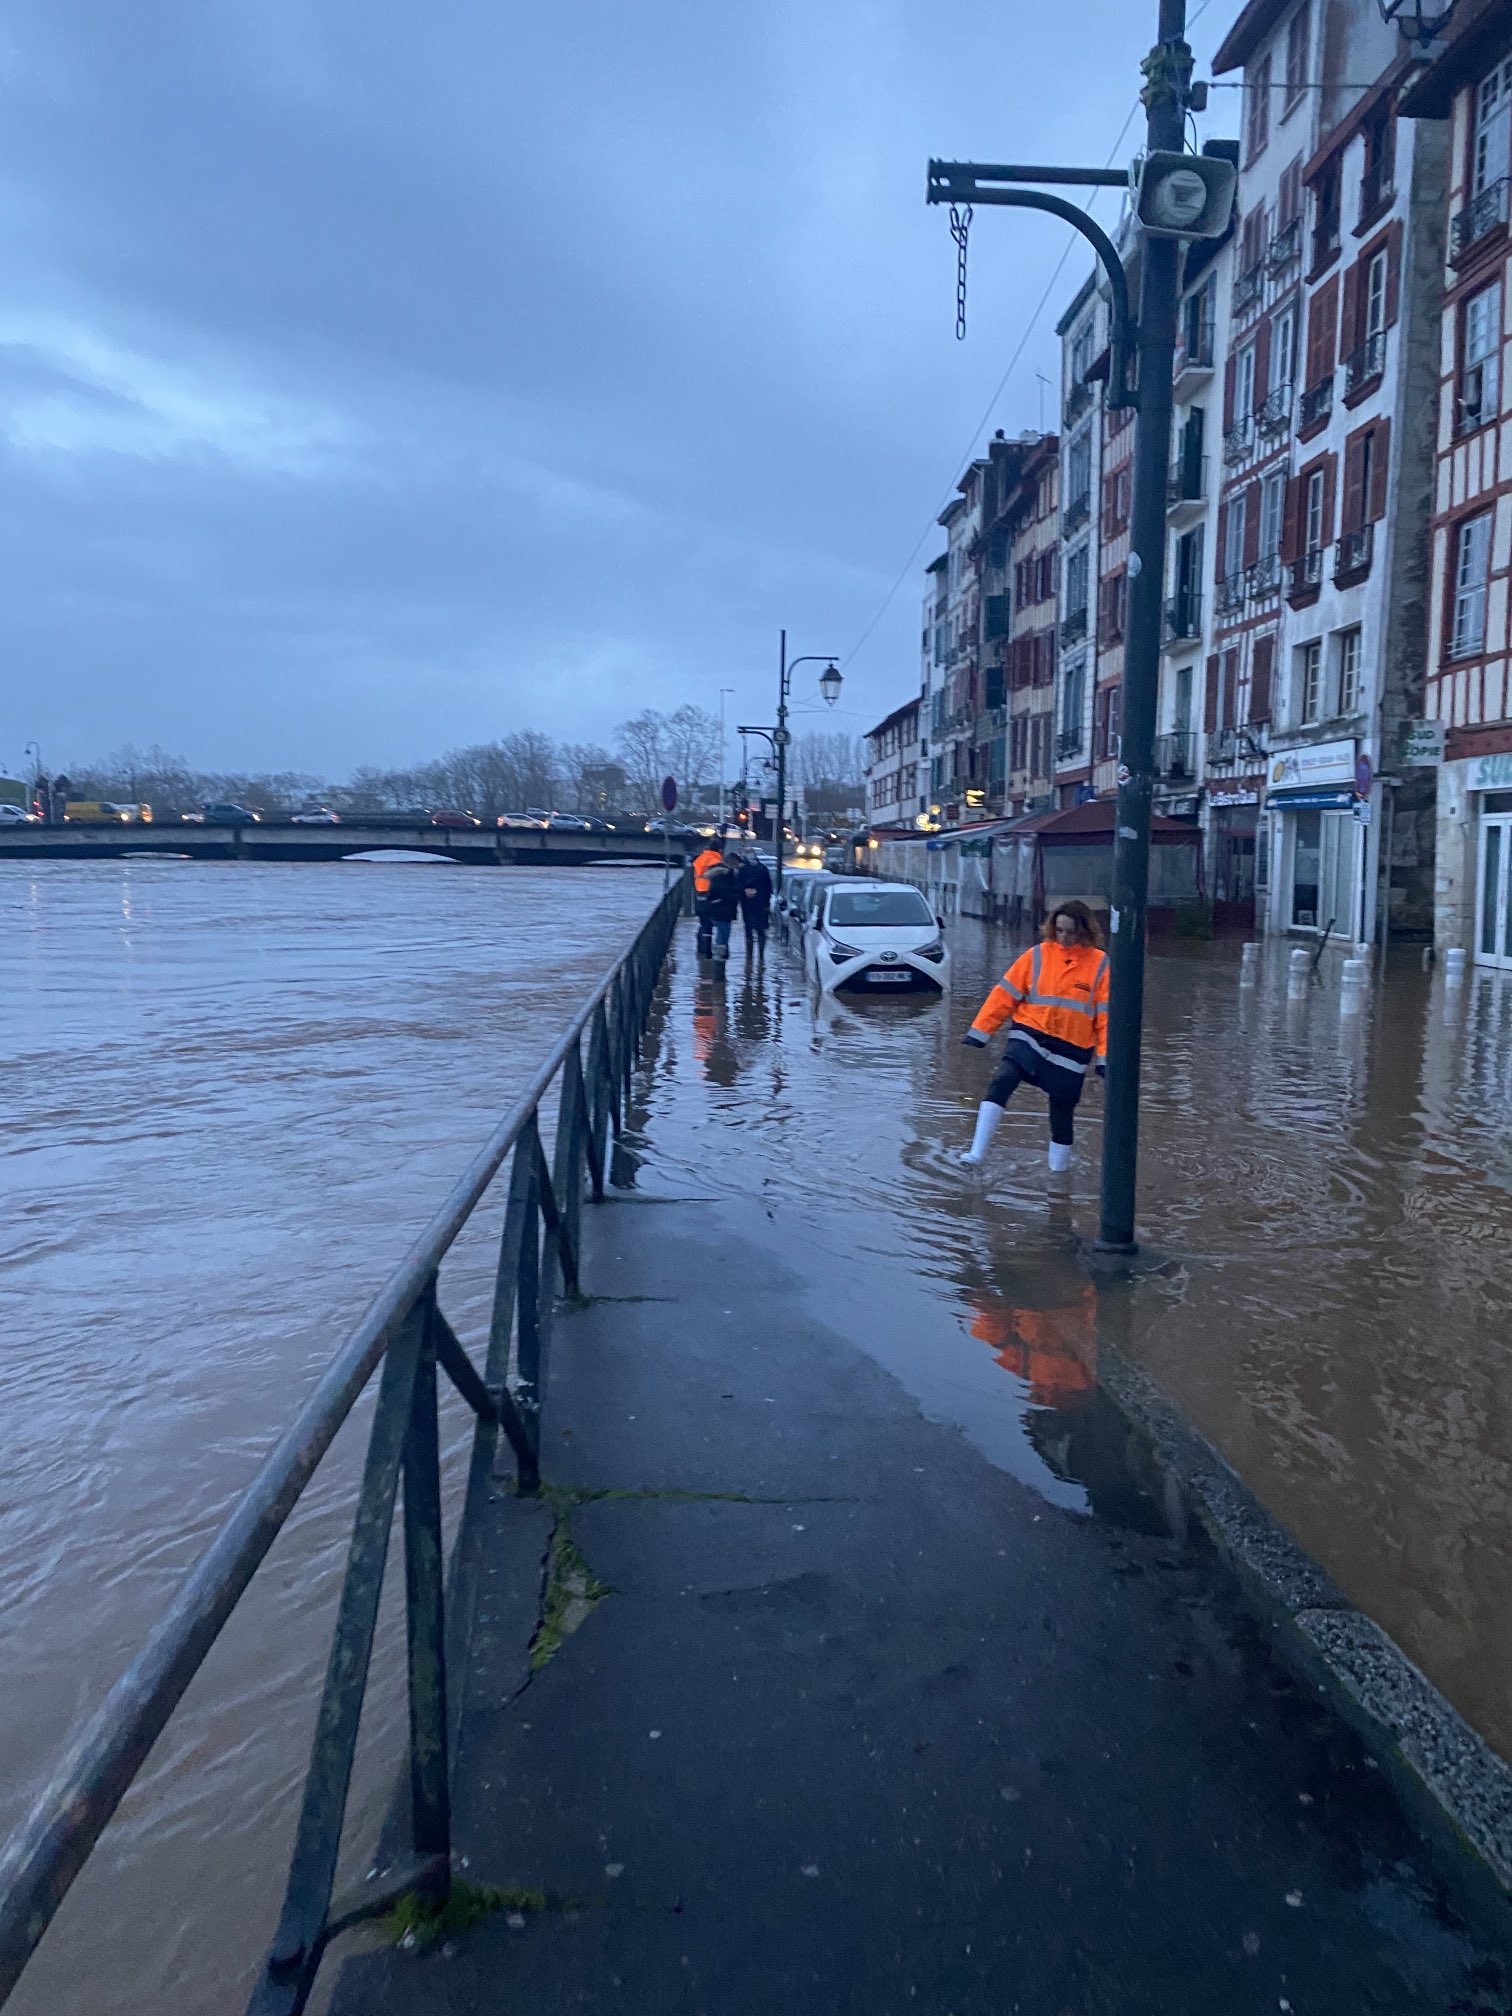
891, 1678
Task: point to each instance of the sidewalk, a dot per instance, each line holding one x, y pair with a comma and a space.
830, 1712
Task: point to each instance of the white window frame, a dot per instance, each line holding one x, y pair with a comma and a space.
1310, 682
1272, 513
1079, 562
1244, 386
1283, 354
1312, 518
1350, 664
1233, 537
1490, 153
1079, 455
1375, 294
1480, 384
1472, 574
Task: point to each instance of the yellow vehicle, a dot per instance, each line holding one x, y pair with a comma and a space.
101, 812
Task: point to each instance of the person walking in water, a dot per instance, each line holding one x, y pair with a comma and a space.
1056, 997
755, 901
722, 902
705, 862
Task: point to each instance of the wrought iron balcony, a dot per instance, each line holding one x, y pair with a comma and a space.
1480, 216
1068, 743
1326, 240
1249, 288
1365, 364
1240, 439
1285, 249
1198, 354
1275, 415
1264, 578
1176, 757
1076, 514
1187, 480
1183, 615
1236, 744
1377, 190
1229, 596
1352, 554
1074, 625
1305, 576
1078, 400
1317, 401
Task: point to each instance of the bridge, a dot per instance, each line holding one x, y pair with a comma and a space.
478, 846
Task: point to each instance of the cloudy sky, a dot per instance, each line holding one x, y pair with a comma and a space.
378, 377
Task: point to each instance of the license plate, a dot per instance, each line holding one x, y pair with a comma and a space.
885, 976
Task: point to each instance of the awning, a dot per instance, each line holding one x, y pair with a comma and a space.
1310, 801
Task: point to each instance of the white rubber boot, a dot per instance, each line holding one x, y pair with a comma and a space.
988, 1117
1059, 1157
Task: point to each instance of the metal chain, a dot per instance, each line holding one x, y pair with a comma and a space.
960, 228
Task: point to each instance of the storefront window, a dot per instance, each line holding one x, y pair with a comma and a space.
1324, 872
1493, 938
1306, 860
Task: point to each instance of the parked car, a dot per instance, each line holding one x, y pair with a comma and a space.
521, 822
455, 819
229, 815
873, 938
318, 815
17, 815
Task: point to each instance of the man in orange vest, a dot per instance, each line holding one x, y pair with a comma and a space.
704, 865
1056, 997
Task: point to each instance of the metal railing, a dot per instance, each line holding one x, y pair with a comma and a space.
1366, 363
1249, 288
1285, 248
1479, 216
1377, 189
1305, 576
1176, 756
1078, 399
1068, 743
1317, 402
1229, 595
1198, 354
1076, 513
1275, 414
1264, 577
1239, 439
1352, 553
1187, 479
1183, 615
1074, 625
1326, 239
405, 1338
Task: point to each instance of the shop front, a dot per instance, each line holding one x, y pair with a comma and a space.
1321, 841
1490, 786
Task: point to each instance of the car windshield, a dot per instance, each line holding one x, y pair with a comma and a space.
856, 907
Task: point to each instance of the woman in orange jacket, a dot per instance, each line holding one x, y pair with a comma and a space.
1056, 997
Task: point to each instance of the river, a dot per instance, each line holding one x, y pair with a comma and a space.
237, 1092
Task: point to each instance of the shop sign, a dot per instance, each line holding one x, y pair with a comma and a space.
1422, 745
1319, 763
1492, 773
1233, 797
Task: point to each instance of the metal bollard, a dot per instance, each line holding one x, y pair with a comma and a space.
1296, 972
1454, 966
1249, 964
1352, 978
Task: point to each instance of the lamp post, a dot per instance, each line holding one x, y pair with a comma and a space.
1417, 21
34, 751
830, 683
723, 691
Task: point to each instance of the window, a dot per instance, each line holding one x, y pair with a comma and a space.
1289, 196
1272, 506
1073, 705
1257, 107
1081, 353
1233, 538
1313, 514
1349, 671
857, 908
1296, 54
1079, 466
1310, 680
1472, 563
1377, 183
1375, 295
1076, 582
1283, 351
1327, 191
1488, 152
1244, 384
1480, 381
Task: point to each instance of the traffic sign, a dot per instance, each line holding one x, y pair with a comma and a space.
669, 793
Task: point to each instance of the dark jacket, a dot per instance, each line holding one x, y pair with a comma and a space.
755, 889
723, 898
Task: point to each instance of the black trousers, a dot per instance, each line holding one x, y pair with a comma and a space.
1063, 1089
755, 917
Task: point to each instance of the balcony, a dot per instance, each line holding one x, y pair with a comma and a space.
1317, 404
1183, 616
1236, 745
1176, 758
1239, 440
1068, 744
1377, 192
1352, 556
1304, 577
1363, 367
1326, 241
1187, 481
1479, 218
1264, 578
1249, 289
1274, 417
1285, 249
1229, 596
1074, 625
1076, 514
1078, 401
1194, 360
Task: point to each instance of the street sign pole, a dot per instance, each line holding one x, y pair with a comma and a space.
669, 806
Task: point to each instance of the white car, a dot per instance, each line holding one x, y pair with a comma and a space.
875, 938
17, 815
320, 815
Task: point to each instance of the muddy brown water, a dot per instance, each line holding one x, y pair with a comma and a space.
236, 1093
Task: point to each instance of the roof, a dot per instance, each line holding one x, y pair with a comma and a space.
1085, 825
1479, 32
935, 565
898, 714
1253, 26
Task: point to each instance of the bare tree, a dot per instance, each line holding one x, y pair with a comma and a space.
591, 779
827, 757
642, 745
693, 746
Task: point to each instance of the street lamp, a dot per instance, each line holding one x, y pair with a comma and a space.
1418, 22
724, 691
829, 685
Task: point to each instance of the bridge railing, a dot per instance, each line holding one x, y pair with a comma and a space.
406, 1339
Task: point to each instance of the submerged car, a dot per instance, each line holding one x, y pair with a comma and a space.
875, 938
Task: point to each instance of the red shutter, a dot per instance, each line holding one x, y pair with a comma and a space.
1260, 678
1230, 684
1291, 520
1354, 482
1323, 331
1349, 320
1262, 365
1330, 494
1099, 723
1393, 272
1210, 705
1229, 371
1251, 524
1380, 471
1220, 544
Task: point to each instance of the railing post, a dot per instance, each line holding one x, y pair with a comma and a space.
599, 1074
425, 1610
528, 1314
567, 1163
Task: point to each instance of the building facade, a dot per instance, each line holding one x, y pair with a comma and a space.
893, 796
1083, 333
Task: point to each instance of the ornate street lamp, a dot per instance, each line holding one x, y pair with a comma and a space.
1418, 20
829, 684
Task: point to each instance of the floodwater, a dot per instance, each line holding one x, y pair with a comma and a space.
236, 1092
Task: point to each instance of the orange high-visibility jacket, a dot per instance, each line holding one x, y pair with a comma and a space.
1060, 990
710, 858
